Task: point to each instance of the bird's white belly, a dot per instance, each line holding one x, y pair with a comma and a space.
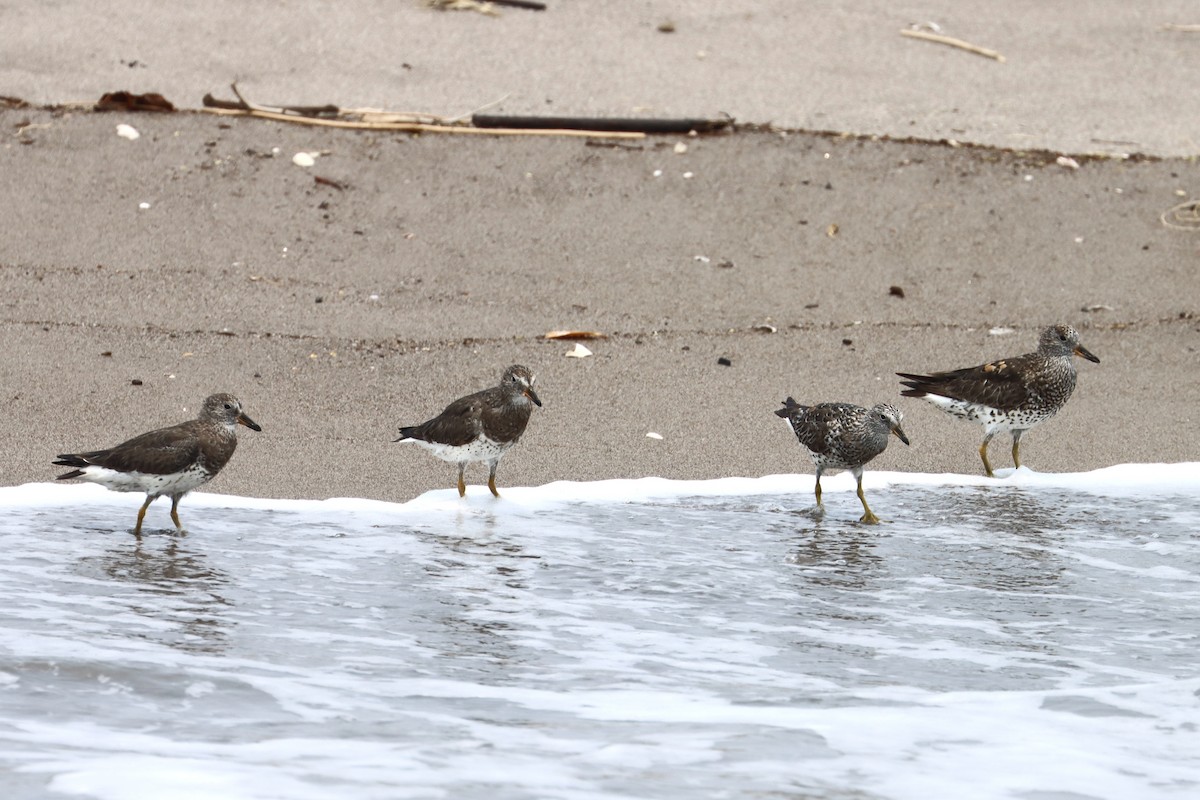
482, 449
991, 419
175, 483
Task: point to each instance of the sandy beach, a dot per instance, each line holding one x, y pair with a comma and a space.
139, 276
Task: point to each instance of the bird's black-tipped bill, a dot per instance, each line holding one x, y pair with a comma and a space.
900, 435
532, 395
249, 423
1083, 352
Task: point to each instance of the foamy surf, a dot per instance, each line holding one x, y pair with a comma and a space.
1122, 478
1027, 637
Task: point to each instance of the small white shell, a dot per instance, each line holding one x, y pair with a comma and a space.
303, 159
653, 435
127, 132
579, 352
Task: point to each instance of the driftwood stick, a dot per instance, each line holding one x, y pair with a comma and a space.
212, 102
418, 127
952, 42
242, 104
532, 5
601, 123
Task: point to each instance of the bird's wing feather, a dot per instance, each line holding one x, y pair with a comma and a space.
456, 426
999, 384
159, 452
817, 427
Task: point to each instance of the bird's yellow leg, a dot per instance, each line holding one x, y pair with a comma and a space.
137, 529
868, 515
818, 491
462, 484
492, 480
987, 466
1017, 449
175, 513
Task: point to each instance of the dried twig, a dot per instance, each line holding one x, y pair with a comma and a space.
463, 5
330, 111
374, 119
484, 7
242, 104
952, 42
238, 94
330, 182
379, 115
484, 107
418, 127
1182, 28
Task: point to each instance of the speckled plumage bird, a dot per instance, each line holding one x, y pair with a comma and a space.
843, 436
1013, 394
481, 426
168, 461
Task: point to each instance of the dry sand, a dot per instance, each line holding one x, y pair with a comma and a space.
338, 314
1078, 75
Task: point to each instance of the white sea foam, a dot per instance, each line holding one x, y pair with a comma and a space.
1122, 478
1031, 637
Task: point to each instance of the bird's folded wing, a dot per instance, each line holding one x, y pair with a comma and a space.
999, 384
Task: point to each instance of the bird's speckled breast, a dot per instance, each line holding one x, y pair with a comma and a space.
482, 449
154, 485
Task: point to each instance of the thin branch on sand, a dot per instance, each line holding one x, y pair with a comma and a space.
419, 127
952, 42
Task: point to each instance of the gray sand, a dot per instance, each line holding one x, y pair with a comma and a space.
337, 315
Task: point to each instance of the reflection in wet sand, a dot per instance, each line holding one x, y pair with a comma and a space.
477, 577
995, 538
171, 581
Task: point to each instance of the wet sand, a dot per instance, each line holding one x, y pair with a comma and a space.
338, 314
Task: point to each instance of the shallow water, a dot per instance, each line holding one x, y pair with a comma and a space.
1030, 638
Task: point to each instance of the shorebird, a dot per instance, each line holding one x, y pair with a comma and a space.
843, 436
168, 461
1013, 394
481, 426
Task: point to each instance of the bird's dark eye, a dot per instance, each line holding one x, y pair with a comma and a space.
228, 406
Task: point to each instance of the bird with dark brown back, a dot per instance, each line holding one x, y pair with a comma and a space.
168, 461
480, 427
1012, 394
843, 436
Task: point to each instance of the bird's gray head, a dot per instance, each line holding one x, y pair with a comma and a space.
885, 418
1063, 340
226, 410
518, 382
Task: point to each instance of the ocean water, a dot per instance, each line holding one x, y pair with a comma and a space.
1033, 637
